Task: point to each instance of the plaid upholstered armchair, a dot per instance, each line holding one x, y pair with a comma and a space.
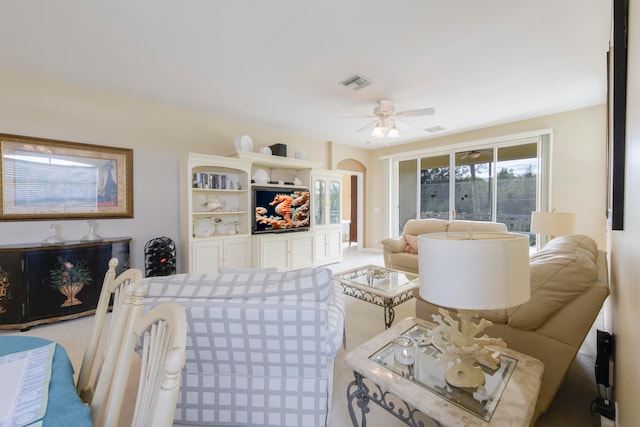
260, 345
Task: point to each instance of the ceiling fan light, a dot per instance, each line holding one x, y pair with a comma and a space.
377, 132
380, 130
393, 132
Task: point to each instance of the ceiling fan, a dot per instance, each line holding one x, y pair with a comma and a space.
386, 119
473, 154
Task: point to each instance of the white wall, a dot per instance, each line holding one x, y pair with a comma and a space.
158, 134
579, 166
625, 248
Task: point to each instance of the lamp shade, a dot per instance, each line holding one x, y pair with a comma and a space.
479, 271
552, 223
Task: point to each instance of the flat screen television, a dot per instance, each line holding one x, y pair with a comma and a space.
280, 210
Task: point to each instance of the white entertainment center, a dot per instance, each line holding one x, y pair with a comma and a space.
217, 212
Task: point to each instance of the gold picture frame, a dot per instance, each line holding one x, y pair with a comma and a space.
43, 179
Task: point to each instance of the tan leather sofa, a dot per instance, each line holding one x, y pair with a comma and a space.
399, 252
569, 284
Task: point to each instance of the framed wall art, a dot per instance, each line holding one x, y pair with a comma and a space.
42, 179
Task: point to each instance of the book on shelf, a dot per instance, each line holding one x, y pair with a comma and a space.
210, 180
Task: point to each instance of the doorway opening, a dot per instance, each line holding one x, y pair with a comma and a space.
352, 203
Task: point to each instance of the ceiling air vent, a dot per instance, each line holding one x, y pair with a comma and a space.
433, 129
356, 82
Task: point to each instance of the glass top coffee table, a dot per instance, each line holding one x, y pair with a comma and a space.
417, 393
378, 285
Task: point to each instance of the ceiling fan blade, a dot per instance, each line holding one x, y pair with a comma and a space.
420, 112
368, 126
401, 125
357, 117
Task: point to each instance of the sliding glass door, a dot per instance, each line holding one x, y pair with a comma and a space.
517, 183
497, 183
474, 191
407, 191
434, 187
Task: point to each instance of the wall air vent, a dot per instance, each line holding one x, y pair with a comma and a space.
356, 82
433, 129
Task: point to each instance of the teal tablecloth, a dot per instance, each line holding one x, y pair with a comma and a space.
64, 408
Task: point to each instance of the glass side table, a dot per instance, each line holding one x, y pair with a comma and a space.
378, 285
418, 395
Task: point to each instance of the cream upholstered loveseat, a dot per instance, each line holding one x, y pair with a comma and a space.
569, 284
400, 253
260, 345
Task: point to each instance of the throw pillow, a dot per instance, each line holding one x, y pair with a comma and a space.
412, 243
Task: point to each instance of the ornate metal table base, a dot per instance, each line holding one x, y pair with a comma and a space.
387, 303
360, 392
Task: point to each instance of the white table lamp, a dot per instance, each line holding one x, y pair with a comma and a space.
552, 223
467, 272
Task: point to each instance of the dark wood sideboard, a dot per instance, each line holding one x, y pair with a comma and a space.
48, 283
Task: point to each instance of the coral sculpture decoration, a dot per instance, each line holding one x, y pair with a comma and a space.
461, 349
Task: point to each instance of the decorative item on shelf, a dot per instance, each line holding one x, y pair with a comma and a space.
216, 222
244, 143
213, 204
279, 149
261, 176
54, 237
235, 226
69, 278
471, 271
300, 155
265, 150
201, 227
92, 236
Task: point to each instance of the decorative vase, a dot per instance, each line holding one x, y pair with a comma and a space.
70, 291
53, 238
92, 236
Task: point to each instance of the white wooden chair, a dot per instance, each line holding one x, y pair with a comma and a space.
116, 286
163, 333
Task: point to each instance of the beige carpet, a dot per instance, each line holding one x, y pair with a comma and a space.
365, 320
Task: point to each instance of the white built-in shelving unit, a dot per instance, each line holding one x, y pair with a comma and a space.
216, 213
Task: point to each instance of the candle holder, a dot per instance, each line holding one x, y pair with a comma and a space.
216, 222
404, 353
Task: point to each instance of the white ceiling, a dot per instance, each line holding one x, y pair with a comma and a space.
278, 63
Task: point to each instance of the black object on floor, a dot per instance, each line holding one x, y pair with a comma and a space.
160, 257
